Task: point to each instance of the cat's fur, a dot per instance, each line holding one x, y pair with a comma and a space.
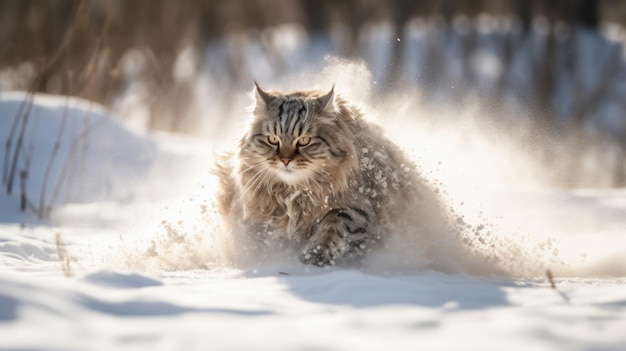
311, 172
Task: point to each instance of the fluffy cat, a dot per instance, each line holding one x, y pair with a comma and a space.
312, 173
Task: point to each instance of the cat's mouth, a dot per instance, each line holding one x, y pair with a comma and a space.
289, 175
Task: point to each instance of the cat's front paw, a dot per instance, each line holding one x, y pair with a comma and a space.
340, 238
318, 256
329, 249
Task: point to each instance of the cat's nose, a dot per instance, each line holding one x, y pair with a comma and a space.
286, 160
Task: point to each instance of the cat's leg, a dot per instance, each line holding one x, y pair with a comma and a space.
340, 237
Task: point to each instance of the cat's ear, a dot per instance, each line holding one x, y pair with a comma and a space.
261, 96
327, 102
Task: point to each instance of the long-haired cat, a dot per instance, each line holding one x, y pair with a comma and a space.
311, 172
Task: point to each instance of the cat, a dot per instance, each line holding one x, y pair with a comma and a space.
312, 173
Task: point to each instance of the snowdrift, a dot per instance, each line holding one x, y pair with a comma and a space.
69, 150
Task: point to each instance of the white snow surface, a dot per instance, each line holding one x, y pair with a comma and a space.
151, 268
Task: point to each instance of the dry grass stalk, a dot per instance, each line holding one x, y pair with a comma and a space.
42, 210
551, 279
563, 295
64, 257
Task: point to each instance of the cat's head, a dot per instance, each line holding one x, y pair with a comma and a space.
297, 138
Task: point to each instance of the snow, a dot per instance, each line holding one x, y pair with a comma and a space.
89, 141
150, 266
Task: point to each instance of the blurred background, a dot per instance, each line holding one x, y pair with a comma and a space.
550, 75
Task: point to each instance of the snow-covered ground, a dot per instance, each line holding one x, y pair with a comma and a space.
134, 257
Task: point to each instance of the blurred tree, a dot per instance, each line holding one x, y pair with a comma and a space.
41, 41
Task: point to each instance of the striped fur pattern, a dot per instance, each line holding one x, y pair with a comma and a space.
312, 173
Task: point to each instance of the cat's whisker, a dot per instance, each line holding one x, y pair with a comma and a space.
259, 184
252, 166
312, 181
320, 174
255, 181
262, 182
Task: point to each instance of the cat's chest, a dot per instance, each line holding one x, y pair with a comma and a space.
298, 211
304, 204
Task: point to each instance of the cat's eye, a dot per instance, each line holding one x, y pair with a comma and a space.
273, 139
303, 141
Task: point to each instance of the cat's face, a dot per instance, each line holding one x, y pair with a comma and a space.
293, 138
